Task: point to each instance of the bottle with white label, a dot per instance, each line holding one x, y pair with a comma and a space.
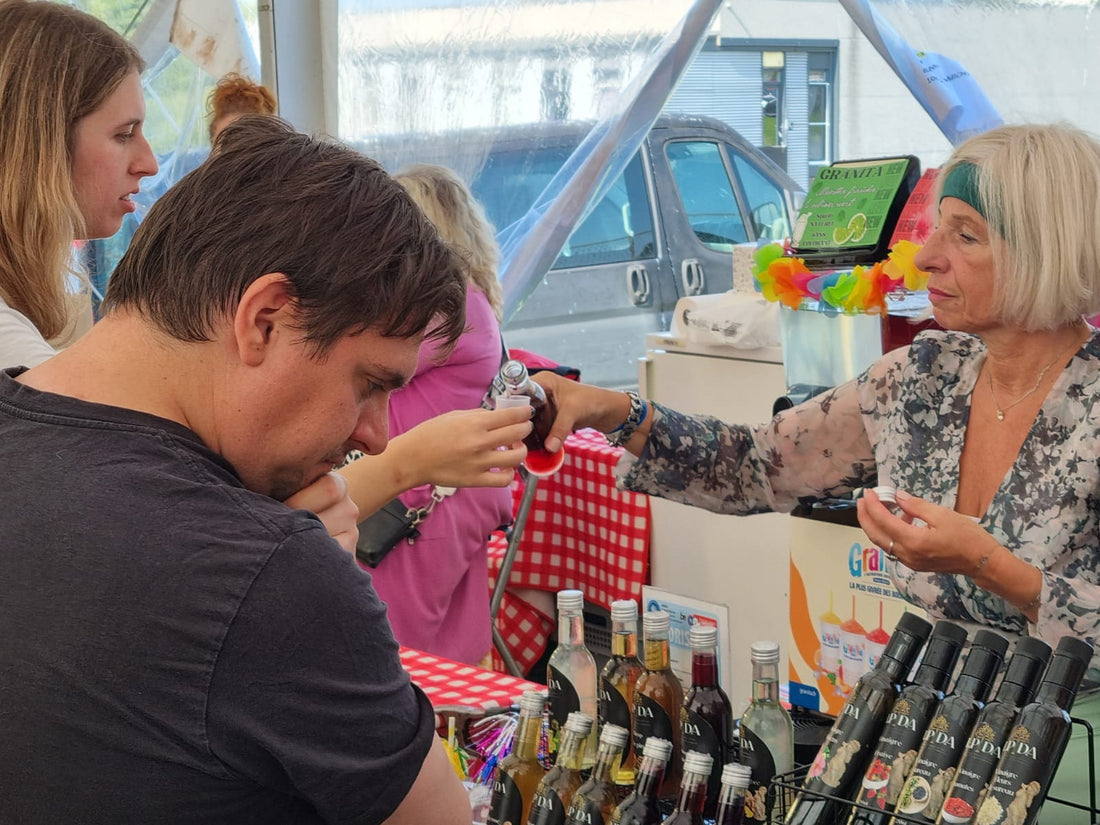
571, 674
1034, 748
658, 697
767, 733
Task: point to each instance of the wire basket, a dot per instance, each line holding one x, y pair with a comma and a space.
788, 786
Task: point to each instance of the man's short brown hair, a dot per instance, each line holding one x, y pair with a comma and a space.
358, 252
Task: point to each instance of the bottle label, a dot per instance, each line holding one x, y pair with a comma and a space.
506, 806
925, 790
896, 752
585, 812
650, 719
757, 755
841, 759
562, 699
978, 763
1027, 762
614, 709
546, 808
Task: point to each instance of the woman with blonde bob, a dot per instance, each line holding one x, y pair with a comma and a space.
437, 588
72, 152
989, 429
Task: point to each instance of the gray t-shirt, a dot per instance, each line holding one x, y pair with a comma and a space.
175, 648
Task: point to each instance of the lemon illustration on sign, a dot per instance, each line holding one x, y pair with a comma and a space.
841, 235
857, 226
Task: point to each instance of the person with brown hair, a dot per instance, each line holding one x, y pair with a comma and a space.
73, 155
236, 95
196, 650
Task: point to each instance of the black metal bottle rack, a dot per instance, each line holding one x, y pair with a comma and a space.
787, 786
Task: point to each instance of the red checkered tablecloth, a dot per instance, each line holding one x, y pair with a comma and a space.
446, 682
581, 533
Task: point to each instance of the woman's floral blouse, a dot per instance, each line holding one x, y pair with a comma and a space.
903, 423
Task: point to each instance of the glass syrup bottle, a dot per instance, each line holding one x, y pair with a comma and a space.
1034, 748
658, 697
843, 757
641, 806
519, 773
693, 790
767, 732
517, 381
992, 726
731, 799
557, 786
617, 682
595, 800
571, 674
923, 793
897, 746
706, 719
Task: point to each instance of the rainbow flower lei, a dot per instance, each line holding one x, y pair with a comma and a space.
786, 279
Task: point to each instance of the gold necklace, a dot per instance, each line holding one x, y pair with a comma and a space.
993, 393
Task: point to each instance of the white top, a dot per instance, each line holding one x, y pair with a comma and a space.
21, 344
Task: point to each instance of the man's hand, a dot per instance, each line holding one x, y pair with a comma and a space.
328, 498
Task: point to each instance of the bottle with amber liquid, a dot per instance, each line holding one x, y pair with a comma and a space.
595, 800
641, 807
731, 799
992, 726
571, 674
847, 749
706, 720
693, 790
900, 740
617, 681
924, 792
557, 786
767, 733
1039, 737
658, 697
519, 773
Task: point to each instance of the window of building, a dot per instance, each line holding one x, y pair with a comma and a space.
771, 100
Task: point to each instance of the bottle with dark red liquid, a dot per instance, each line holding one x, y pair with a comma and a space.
992, 726
731, 799
517, 382
1034, 748
693, 790
843, 757
617, 679
897, 746
641, 806
925, 790
658, 697
706, 720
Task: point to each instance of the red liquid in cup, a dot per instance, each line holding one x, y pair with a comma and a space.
543, 463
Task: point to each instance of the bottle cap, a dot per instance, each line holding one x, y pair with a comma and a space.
1029, 658
703, 635
942, 650
907, 639
736, 775
655, 622
983, 662
532, 701
991, 641
614, 735
657, 748
579, 723
1071, 659
624, 610
572, 600
697, 762
764, 653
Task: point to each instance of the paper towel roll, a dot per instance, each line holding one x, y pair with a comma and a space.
743, 279
730, 319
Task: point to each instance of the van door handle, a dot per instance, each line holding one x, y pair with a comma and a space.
691, 273
637, 284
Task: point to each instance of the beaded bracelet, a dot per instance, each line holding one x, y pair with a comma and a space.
639, 409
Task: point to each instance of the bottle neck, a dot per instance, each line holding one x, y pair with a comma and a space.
728, 797
693, 793
765, 682
624, 643
930, 677
571, 753
1055, 693
704, 667
607, 759
570, 629
967, 685
1010, 693
528, 730
656, 654
891, 668
651, 773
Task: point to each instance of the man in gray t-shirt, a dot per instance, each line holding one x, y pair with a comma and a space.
177, 646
